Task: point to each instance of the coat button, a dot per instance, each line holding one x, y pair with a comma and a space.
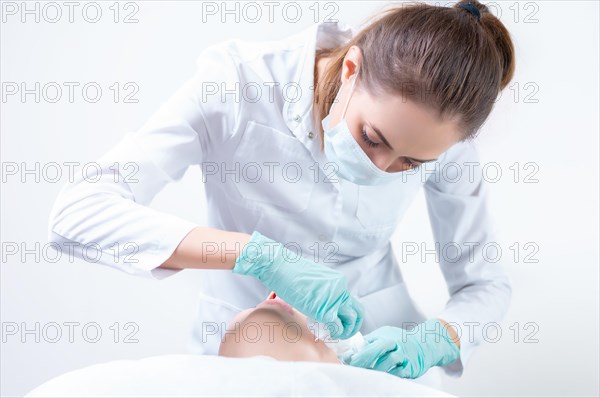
310, 134
297, 118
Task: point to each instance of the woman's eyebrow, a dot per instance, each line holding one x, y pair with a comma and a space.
376, 130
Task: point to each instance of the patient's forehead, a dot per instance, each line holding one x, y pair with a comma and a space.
266, 322
254, 325
253, 315
266, 331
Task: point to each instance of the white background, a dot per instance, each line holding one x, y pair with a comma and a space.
559, 213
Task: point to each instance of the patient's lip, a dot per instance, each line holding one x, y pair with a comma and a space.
273, 299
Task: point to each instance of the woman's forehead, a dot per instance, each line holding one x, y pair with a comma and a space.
407, 125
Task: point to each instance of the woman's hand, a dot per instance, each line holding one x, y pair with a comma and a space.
407, 353
313, 289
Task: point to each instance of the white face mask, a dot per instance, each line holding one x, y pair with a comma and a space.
352, 162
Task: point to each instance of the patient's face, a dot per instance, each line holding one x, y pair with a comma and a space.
275, 329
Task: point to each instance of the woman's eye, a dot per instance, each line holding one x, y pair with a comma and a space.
368, 140
372, 144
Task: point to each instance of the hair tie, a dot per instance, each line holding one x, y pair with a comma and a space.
472, 9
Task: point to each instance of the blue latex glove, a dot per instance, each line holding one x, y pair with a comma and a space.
407, 353
313, 289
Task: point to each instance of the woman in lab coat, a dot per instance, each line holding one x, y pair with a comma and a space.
311, 149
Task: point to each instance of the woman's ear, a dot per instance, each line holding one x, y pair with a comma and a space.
351, 63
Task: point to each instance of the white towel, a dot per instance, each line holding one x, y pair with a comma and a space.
215, 376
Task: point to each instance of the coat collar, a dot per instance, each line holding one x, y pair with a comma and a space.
298, 114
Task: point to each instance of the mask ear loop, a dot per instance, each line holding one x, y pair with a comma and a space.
350, 95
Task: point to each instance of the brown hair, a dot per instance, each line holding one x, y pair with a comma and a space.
439, 57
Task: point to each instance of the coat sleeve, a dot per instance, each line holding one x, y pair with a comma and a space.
479, 289
104, 218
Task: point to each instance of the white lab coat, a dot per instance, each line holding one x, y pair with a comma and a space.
327, 220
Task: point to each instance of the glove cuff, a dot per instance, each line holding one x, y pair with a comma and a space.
446, 348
